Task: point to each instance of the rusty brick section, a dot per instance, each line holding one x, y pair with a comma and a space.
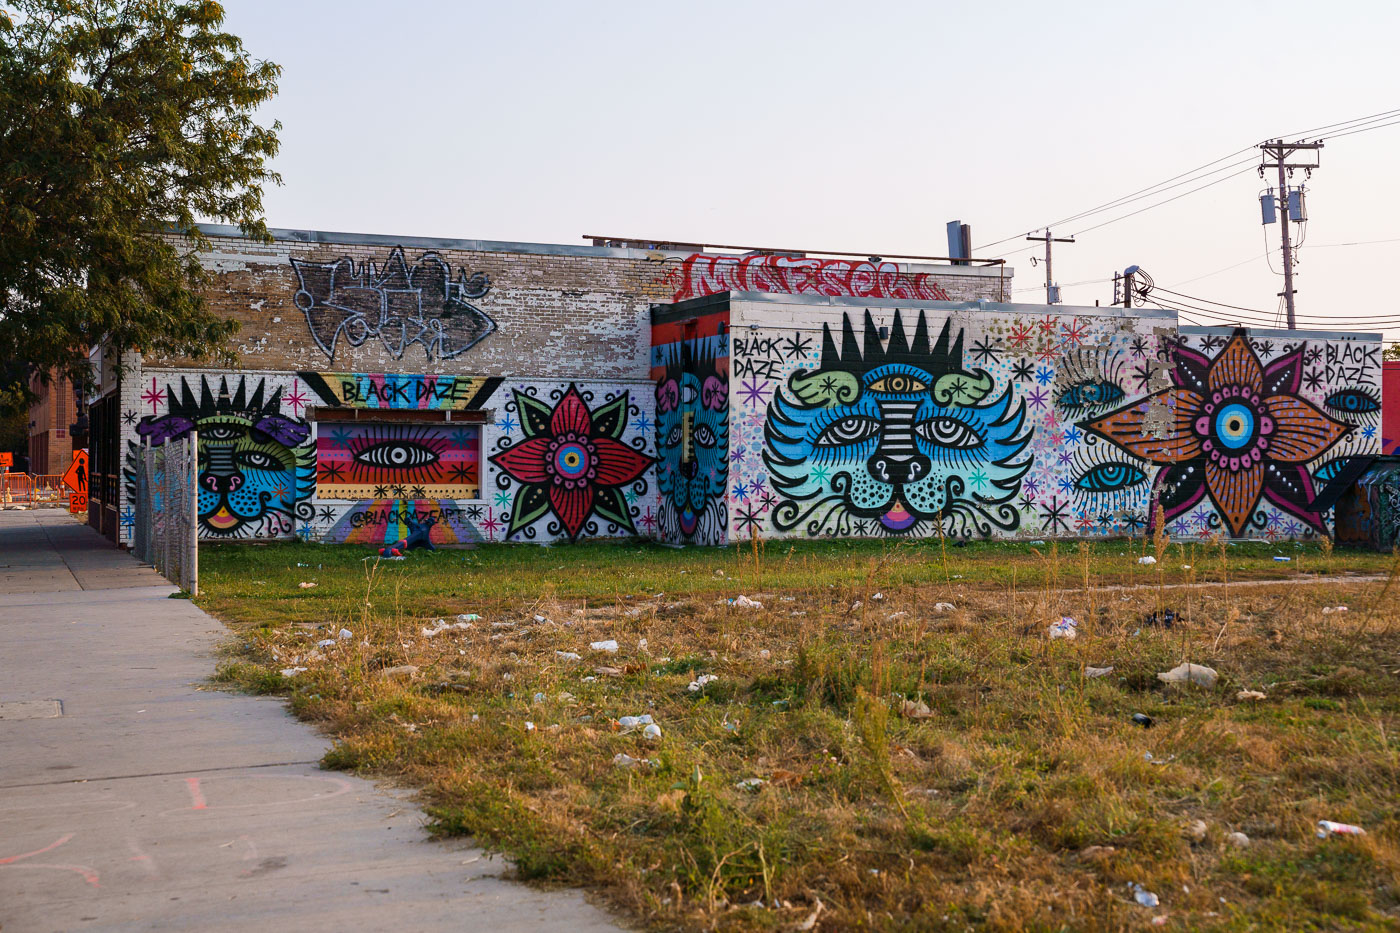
570, 312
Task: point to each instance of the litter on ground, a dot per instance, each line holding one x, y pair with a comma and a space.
1066, 628
743, 602
1197, 674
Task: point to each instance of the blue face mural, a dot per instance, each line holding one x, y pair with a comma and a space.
895, 439
692, 487
256, 464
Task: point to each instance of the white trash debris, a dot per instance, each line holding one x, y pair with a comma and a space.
652, 732
753, 783
698, 684
1249, 695
877, 597
642, 644
1097, 671
944, 607
529, 726
1185, 566
442, 625
540, 697
468, 617
632, 723
764, 654
1195, 830
1066, 628
306, 586
915, 709
1281, 560
1238, 840
1197, 674
568, 656
622, 760
610, 646
1143, 896
292, 671
1327, 828
503, 625
1148, 559
743, 602
325, 642
541, 619
1328, 610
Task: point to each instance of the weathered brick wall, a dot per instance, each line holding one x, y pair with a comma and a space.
562, 312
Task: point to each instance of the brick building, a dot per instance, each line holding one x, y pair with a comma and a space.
528, 392
51, 419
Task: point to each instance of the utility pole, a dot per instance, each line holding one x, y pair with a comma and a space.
1052, 293
1281, 152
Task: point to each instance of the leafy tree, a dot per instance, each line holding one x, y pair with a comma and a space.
121, 122
1392, 352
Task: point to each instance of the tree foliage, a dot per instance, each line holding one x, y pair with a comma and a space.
121, 122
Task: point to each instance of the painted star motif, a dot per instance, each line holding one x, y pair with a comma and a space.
1038, 398
507, 424
491, 525
1021, 370
753, 393
503, 498
642, 425
1021, 333
1044, 375
153, 396
129, 417
648, 520
295, 399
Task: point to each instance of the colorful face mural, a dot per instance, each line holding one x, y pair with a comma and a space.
1040, 425
255, 462
571, 470
691, 478
894, 439
358, 459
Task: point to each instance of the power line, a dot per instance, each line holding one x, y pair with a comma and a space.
1364, 129
1366, 119
1312, 317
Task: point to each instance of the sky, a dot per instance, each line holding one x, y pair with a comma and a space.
851, 127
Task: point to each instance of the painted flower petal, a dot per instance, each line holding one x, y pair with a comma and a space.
571, 415
1236, 492
525, 462
1192, 368
1284, 376
1290, 487
572, 506
1136, 427
1179, 487
1236, 366
618, 463
1302, 432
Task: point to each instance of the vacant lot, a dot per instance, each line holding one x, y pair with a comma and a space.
891, 741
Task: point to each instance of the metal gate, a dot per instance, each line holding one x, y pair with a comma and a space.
166, 533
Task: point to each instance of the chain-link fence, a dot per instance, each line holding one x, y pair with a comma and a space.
166, 534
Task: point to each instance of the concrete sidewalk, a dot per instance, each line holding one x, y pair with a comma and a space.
133, 797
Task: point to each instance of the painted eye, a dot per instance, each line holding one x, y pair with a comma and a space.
1352, 402
1108, 477
674, 438
396, 455
944, 431
219, 432
689, 393
1090, 392
849, 430
257, 460
898, 384
704, 437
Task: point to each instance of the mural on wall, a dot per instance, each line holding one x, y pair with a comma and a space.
572, 472
1236, 430
384, 521
364, 459
705, 274
256, 462
693, 396
1041, 424
398, 304
894, 439
397, 390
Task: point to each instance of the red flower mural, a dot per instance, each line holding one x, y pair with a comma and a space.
1231, 427
572, 462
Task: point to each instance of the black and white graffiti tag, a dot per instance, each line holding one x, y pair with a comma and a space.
397, 304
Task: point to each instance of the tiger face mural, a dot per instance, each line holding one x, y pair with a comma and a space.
898, 439
692, 487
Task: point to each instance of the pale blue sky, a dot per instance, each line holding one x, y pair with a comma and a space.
843, 126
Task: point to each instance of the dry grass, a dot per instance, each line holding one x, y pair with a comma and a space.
921, 769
